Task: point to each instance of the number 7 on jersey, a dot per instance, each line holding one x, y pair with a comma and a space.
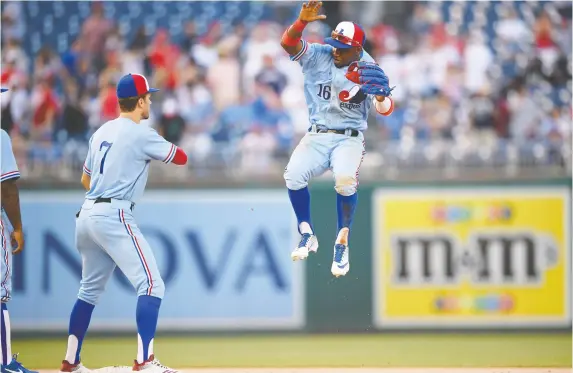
107, 145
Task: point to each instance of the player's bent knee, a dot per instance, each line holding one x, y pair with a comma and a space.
294, 182
346, 185
90, 294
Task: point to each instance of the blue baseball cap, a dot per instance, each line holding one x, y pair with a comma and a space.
3, 89
133, 85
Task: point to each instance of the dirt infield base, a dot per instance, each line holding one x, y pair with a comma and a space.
349, 370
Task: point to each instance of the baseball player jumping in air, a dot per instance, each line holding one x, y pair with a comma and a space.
115, 173
341, 81
12, 241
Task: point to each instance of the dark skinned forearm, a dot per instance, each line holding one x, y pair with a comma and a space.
294, 34
11, 203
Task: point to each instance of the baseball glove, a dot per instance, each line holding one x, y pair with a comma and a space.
370, 77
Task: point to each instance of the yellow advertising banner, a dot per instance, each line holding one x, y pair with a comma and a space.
472, 257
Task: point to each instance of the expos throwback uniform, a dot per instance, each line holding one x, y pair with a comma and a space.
116, 169
106, 233
339, 97
328, 96
9, 171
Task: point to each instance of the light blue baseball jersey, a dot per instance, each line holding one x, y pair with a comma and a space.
9, 170
331, 98
118, 159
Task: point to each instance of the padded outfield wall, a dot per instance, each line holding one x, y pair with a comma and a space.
424, 256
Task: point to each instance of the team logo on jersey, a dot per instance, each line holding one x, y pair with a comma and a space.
352, 99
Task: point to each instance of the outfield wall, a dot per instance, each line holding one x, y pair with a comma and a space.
422, 256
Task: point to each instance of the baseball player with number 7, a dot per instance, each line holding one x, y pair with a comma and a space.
114, 176
341, 82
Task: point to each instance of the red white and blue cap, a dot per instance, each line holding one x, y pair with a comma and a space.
347, 35
133, 85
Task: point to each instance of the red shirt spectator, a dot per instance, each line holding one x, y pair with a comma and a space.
165, 54
543, 32
45, 108
109, 103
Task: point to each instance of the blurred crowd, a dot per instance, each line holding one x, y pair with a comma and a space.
230, 93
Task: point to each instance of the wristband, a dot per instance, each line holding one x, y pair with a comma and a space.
297, 26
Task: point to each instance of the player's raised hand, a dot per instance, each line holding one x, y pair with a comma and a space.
309, 12
17, 241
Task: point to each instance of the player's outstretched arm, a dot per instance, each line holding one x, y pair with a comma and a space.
157, 148
291, 40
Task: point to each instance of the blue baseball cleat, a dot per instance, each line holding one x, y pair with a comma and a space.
308, 242
340, 262
16, 367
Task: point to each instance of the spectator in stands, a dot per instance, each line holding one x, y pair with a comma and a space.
47, 63
13, 51
164, 55
171, 124
134, 59
112, 71
511, 28
189, 38
71, 59
482, 117
223, 78
262, 42
13, 21
205, 52
420, 23
44, 110
109, 103
477, 59
74, 121
525, 114
94, 33
545, 41
256, 151
228, 78
270, 76
16, 106
439, 113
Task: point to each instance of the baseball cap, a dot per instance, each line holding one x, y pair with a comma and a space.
3, 89
133, 85
347, 35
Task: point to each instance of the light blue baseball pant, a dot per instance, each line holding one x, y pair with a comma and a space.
107, 235
318, 152
6, 261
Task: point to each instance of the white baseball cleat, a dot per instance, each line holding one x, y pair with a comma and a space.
75, 368
340, 262
152, 365
308, 242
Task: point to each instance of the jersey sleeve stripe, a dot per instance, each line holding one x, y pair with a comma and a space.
87, 171
10, 175
171, 154
298, 56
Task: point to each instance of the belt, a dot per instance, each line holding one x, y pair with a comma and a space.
108, 200
348, 132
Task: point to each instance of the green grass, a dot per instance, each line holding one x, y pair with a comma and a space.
380, 350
